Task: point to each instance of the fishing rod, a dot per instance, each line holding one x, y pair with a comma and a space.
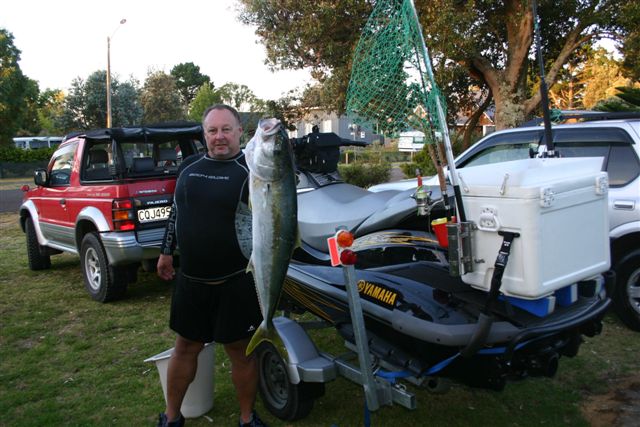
443, 123
548, 136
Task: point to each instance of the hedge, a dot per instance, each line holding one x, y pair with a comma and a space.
365, 175
19, 155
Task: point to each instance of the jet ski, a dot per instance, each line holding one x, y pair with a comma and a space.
422, 322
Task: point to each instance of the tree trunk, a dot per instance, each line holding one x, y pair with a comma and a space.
508, 85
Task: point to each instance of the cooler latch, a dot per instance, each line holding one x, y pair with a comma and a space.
547, 197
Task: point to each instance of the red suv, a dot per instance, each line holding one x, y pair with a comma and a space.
106, 195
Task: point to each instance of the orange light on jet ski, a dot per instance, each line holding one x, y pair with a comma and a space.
345, 239
348, 257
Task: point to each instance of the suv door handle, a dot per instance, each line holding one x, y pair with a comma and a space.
63, 202
627, 205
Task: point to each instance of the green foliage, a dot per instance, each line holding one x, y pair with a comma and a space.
18, 155
602, 74
425, 165
630, 46
51, 107
189, 80
627, 99
365, 174
371, 156
482, 44
630, 95
85, 107
422, 159
238, 96
205, 97
316, 35
16, 90
160, 99
126, 108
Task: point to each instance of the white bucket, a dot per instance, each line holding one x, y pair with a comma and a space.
199, 397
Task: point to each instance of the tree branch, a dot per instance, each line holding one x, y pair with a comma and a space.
574, 41
472, 122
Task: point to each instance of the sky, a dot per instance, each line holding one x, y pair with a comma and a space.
60, 40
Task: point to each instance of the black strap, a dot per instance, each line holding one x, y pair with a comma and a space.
499, 266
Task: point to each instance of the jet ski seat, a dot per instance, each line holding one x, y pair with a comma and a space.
320, 212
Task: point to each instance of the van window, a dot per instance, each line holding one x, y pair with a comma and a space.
505, 147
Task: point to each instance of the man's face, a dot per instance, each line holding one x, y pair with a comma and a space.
222, 133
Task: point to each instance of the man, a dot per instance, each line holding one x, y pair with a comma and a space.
214, 298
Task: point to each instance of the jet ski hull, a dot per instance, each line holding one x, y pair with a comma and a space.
414, 324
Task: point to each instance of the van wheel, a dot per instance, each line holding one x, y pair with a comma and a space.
103, 282
286, 401
37, 261
626, 300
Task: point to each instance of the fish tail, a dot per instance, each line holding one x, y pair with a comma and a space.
264, 333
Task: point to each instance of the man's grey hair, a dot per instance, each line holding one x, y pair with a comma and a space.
222, 107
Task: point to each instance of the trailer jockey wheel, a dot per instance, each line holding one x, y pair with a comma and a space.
286, 401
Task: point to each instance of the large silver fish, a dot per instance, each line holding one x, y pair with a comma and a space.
274, 210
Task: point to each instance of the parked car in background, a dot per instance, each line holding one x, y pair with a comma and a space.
617, 141
106, 195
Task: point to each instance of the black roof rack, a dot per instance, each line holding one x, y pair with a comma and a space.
584, 115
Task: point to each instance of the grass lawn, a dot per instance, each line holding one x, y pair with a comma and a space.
67, 360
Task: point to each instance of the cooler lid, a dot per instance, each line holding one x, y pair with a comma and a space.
525, 178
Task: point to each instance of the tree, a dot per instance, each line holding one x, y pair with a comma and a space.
29, 124
86, 105
205, 97
161, 99
601, 76
50, 110
630, 46
189, 80
568, 91
15, 89
125, 104
238, 96
486, 43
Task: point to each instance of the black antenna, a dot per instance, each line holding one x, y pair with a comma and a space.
548, 137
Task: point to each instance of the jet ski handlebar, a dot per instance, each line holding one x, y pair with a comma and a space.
324, 139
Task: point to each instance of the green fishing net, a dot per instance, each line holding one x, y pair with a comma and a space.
392, 86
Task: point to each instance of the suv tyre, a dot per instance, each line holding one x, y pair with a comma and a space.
627, 299
37, 261
103, 282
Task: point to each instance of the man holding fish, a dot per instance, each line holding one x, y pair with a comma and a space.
214, 298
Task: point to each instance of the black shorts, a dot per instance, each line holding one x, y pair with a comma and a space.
223, 313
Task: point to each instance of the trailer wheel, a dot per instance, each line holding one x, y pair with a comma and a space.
283, 399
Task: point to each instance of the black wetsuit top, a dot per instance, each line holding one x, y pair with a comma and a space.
210, 220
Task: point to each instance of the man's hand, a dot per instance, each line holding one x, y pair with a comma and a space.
165, 267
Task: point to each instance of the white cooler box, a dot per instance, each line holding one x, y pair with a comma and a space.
559, 207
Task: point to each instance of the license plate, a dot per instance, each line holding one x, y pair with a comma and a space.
154, 214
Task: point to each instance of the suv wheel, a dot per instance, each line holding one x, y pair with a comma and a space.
103, 282
626, 301
37, 261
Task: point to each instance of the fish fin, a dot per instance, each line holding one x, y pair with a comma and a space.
250, 268
265, 333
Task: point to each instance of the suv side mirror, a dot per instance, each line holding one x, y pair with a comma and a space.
40, 177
